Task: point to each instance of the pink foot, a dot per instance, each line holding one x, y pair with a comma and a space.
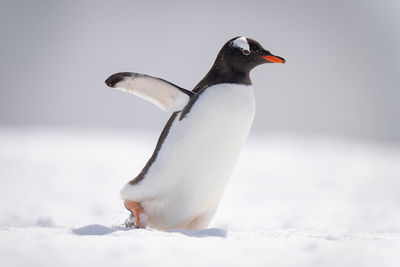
138, 212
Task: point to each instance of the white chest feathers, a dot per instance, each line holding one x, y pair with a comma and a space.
183, 186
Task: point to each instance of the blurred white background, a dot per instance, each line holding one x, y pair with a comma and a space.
341, 77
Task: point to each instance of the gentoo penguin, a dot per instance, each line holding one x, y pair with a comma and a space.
182, 183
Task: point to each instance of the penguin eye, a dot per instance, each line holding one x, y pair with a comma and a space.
246, 52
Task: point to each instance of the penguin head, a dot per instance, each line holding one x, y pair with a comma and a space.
244, 54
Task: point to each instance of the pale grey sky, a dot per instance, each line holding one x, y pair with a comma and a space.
341, 77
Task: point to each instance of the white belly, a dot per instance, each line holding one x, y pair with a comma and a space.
195, 161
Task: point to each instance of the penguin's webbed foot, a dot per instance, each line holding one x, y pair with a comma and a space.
138, 218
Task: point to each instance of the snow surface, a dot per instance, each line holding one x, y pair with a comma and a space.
292, 201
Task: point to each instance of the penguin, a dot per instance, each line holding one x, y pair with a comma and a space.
181, 184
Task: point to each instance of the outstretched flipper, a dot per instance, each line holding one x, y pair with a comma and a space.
167, 96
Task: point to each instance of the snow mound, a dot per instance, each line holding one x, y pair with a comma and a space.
93, 229
45, 221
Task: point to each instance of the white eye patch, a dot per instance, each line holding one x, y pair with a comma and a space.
241, 43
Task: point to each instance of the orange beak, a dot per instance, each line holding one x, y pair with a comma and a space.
274, 59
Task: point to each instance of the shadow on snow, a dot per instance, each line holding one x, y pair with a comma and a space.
97, 229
